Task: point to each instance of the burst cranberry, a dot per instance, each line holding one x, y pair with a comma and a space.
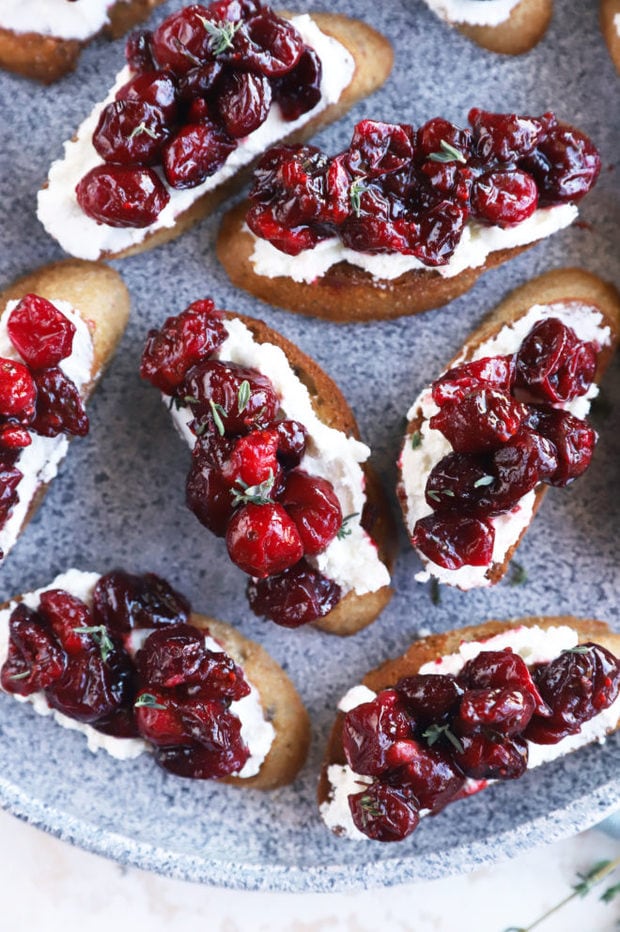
504, 198
292, 436
182, 341
430, 136
506, 136
122, 197
491, 371
200, 82
266, 44
263, 540
10, 477
379, 148
430, 776
496, 758
243, 103
430, 698
565, 166
453, 542
233, 10
93, 688
519, 466
299, 90
208, 494
40, 333
314, 507
138, 51
219, 752
194, 153
370, 729
35, 659
481, 421
461, 482
65, 613
291, 241
122, 602
217, 390
156, 88
505, 711
253, 461
59, 406
295, 597
574, 441
14, 437
552, 364
434, 236
18, 391
130, 132
501, 669
157, 718
384, 813
182, 41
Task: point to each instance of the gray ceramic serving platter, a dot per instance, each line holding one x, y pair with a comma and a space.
119, 498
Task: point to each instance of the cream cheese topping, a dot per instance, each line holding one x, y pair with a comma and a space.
534, 645
617, 23
351, 561
81, 236
39, 461
473, 12
59, 18
474, 247
256, 731
416, 464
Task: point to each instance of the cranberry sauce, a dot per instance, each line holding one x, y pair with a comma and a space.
174, 692
245, 482
505, 420
36, 397
202, 81
423, 740
400, 190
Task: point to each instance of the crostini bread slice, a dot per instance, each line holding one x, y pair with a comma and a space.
610, 26
48, 58
99, 294
558, 285
430, 648
524, 28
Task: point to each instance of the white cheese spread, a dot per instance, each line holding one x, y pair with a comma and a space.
352, 561
474, 247
473, 12
534, 645
617, 23
59, 18
416, 464
257, 733
39, 461
81, 236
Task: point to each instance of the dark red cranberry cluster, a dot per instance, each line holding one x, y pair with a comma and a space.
205, 79
35, 395
501, 417
245, 483
396, 189
423, 739
175, 693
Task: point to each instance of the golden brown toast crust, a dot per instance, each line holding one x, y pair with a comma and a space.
430, 648
609, 9
523, 29
354, 612
555, 286
47, 59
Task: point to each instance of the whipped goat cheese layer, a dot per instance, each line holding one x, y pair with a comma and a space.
61, 19
473, 12
81, 236
352, 561
475, 246
257, 733
534, 645
416, 464
39, 461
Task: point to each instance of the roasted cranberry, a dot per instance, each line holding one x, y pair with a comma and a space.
122, 197
292, 437
433, 237
460, 482
263, 540
314, 507
295, 597
200, 82
379, 148
491, 371
14, 437
432, 134
299, 90
194, 153
35, 659
243, 102
182, 341
156, 88
384, 813
138, 51
430, 698
182, 41
504, 198
492, 758
430, 776
565, 166
519, 466
122, 602
157, 718
291, 241
552, 364
217, 390
252, 462
10, 477
453, 542
266, 44
96, 683
506, 136
574, 441
506, 711
59, 406
501, 669
232, 10
208, 494
220, 751
65, 613
130, 132
370, 729
480, 421
18, 391
40, 333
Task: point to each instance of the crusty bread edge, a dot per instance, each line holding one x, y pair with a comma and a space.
609, 9
557, 285
523, 29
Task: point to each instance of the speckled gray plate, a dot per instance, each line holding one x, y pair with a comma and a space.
119, 499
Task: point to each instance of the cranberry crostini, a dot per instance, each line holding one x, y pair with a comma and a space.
403, 220
200, 100
511, 27
463, 709
277, 468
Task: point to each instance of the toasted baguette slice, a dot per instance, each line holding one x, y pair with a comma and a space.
558, 285
610, 9
523, 29
99, 295
430, 648
48, 58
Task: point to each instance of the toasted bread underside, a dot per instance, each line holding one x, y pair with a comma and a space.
609, 9
47, 59
430, 648
99, 294
373, 57
523, 29
558, 285
353, 612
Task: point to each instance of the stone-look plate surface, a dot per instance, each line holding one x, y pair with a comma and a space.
119, 499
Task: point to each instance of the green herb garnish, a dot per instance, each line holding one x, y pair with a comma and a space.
218, 413
447, 154
147, 701
221, 35
243, 396
344, 530
254, 494
100, 636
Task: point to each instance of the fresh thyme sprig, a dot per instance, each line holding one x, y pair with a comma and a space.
358, 186
243, 396
142, 128
147, 701
218, 413
416, 439
221, 35
434, 732
254, 494
100, 636
447, 154
345, 530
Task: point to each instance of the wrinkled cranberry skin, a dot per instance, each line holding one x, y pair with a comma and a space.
181, 41
505, 711
453, 542
122, 602
90, 688
384, 813
64, 613
198, 83
504, 198
40, 333
10, 477
32, 650
565, 166
220, 752
296, 597
379, 148
138, 52
208, 493
194, 153
220, 382
496, 758
60, 409
120, 137
122, 197
370, 729
13, 438
490, 372
430, 776
574, 441
233, 10
253, 461
18, 391
243, 103
552, 364
292, 436
263, 540
480, 422
430, 135
314, 507
506, 136
519, 466
156, 88
266, 45
299, 90
160, 726
430, 698
498, 669
459, 483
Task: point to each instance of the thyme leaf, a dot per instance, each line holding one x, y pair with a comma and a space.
447, 154
100, 636
221, 35
344, 529
254, 494
142, 128
218, 413
243, 396
355, 195
416, 439
147, 701
434, 732
482, 481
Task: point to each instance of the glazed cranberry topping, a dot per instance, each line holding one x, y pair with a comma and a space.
35, 659
217, 385
429, 698
574, 441
481, 421
263, 540
371, 729
155, 88
430, 775
40, 333
60, 409
122, 197
314, 507
384, 813
244, 103
295, 597
491, 372
130, 132
18, 391
553, 365
138, 51
194, 153
300, 90
122, 601
453, 542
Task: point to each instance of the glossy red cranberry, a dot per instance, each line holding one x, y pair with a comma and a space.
552, 364
452, 542
14, 437
266, 44
505, 711
434, 235
18, 391
292, 436
295, 597
65, 613
384, 813
379, 148
10, 477
130, 132
182, 41
157, 718
138, 51
574, 441
461, 483
180, 343
208, 494
194, 153
243, 102
506, 136
565, 166
219, 752
218, 393
370, 729
291, 241
499, 669
253, 462
200, 82
299, 90
40, 333
431, 776
492, 758
35, 659
122, 197
491, 371
430, 698
431, 135
233, 10
314, 507
504, 198
263, 540
519, 466
60, 409
481, 421
122, 601
156, 88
